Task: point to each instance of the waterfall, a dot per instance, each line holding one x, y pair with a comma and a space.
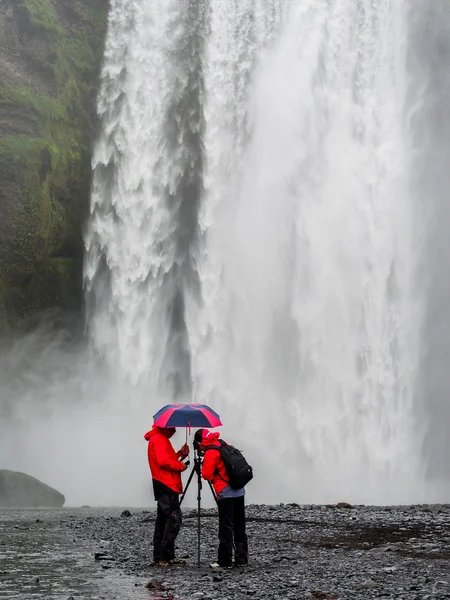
253, 242
308, 330
147, 186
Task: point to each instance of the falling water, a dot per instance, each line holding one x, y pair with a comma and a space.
147, 186
309, 322
252, 241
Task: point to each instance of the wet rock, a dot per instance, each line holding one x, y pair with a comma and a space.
125, 513
155, 584
103, 556
18, 490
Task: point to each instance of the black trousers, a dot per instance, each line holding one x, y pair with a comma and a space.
232, 527
167, 526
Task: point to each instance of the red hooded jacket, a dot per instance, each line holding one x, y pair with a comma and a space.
163, 460
213, 468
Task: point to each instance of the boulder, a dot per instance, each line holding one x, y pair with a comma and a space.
18, 490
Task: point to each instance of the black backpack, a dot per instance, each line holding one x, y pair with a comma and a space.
237, 468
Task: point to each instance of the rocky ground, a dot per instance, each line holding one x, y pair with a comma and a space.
296, 552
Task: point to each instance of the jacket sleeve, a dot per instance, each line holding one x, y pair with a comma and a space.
166, 459
210, 464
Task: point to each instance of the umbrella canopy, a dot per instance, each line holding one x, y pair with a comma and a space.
186, 415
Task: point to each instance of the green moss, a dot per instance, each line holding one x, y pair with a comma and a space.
48, 176
42, 15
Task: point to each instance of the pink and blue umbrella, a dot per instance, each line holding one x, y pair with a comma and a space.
186, 415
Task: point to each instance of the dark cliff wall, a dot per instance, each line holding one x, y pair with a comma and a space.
50, 55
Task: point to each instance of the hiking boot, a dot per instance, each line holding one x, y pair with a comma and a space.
240, 565
179, 562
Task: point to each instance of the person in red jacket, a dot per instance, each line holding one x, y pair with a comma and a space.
166, 467
230, 503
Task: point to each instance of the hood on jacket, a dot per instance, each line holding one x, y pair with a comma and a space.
206, 438
167, 431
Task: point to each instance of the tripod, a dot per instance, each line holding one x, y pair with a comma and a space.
197, 469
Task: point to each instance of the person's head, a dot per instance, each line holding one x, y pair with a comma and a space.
167, 431
198, 438
204, 438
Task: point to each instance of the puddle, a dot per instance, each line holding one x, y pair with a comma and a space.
41, 559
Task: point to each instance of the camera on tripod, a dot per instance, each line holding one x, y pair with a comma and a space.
196, 470
198, 452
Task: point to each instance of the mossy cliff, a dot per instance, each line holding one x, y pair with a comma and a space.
50, 55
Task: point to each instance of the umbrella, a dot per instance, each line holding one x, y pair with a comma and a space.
186, 415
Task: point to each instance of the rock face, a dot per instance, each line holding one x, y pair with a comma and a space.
18, 490
50, 53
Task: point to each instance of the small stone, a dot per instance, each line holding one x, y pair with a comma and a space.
369, 584
155, 584
35, 580
102, 556
125, 513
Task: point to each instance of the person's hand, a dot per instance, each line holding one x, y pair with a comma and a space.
185, 466
184, 450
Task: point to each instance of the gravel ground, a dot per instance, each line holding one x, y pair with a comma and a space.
296, 552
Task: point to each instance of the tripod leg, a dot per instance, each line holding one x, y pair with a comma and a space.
213, 492
187, 484
199, 496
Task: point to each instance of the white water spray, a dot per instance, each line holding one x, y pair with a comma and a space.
310, 323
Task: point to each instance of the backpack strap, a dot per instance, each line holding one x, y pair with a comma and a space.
222, 443
211, 448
